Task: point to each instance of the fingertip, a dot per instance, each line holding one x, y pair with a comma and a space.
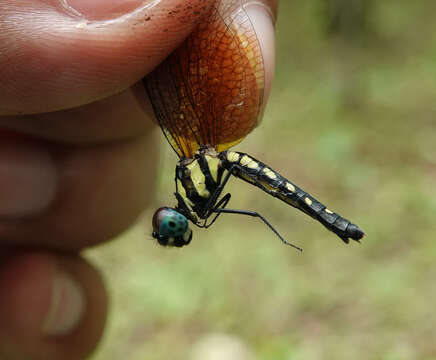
52, 307
24, 293
261, 17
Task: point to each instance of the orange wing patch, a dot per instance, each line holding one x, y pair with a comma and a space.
210, 90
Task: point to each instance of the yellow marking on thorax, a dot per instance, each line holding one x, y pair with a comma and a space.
198, 179
268, 172
328, 211
182, 192
248, 162
213, 163
308, 201
232, 156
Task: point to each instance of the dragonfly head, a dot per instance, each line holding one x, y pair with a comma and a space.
171, 228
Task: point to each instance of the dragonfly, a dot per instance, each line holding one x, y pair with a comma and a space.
207, 96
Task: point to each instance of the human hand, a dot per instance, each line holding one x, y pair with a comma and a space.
77, 156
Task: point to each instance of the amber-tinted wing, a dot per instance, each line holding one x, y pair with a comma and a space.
210, 90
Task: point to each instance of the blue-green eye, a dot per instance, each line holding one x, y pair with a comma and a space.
171, 227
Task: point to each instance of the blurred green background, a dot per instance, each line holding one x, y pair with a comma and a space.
351, 119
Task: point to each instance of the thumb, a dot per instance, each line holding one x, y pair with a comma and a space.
57, 54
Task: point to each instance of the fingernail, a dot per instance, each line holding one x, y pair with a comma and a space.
67, 306
262, 20
28, 178
101, 9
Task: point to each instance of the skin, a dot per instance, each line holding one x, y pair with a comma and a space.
88, 116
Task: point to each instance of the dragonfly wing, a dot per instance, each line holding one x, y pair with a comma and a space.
210, 90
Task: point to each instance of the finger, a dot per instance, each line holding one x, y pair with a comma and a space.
52, 307
55, 57
270, 5
119, 117
262, 15
69, 197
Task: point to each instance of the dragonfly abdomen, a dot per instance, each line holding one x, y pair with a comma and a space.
257, 173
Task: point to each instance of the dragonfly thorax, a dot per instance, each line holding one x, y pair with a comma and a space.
198, 179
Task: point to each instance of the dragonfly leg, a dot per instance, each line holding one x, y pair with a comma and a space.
219, 205
184, 209
256, 214
214, 197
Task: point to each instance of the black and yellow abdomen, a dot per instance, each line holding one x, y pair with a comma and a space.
257, 173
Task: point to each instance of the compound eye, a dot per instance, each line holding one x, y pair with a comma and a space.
168, 222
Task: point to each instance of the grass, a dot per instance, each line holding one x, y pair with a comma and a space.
353, 122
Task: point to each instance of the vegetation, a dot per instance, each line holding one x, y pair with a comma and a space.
352, 119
